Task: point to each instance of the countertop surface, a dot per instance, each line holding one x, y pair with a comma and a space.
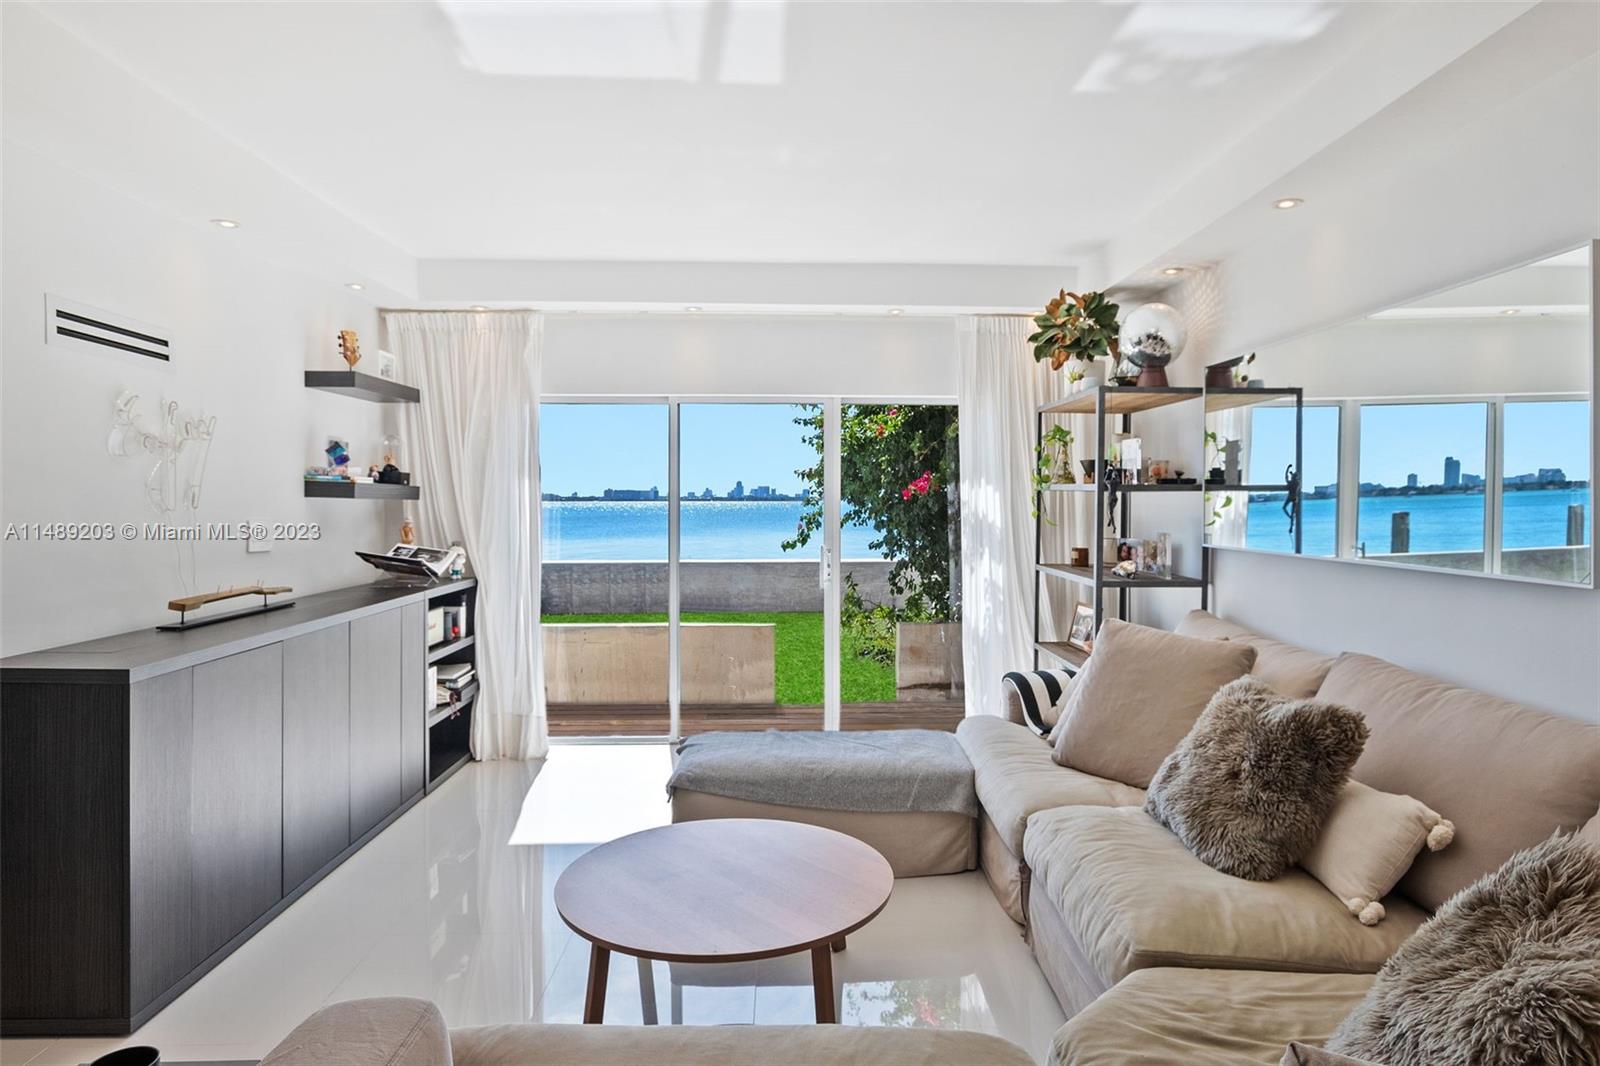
143, 653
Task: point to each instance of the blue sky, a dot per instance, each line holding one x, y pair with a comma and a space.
1401, 439
586, 448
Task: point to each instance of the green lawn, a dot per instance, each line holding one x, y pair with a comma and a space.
798, 640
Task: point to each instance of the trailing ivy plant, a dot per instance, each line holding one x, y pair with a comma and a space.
1053, 464
1074, 325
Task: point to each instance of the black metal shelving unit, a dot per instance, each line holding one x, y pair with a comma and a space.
1233, 398
1101, 402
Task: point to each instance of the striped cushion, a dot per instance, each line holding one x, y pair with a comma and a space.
1043, 693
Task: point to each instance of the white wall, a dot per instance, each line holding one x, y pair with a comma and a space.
244, 325
1458, 202
749, 355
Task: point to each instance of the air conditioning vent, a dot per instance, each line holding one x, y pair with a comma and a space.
79, 325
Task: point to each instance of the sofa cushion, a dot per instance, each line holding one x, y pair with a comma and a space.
1368, 844
1292, 670
1137, 696
1163, 1016
729, 1045
1016, 777
1250, 787
1507, 776
1134, 898
1590, 833
387, 1031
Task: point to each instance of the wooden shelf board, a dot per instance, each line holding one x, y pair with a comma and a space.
1228, 399
1084, 575
1120, 400
361, 386
1074, 658
360, 490
440, 651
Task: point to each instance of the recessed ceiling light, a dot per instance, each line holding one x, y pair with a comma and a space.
225, 223
479, 307
692, 307
356, 285
1172, 272
1512, 311
1287, 202
897, 310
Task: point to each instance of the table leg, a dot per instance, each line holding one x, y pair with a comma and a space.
594, 1000
647, 992
822, 983
838, 945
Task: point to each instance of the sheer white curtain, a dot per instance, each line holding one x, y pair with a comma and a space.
1001, 388
475, 438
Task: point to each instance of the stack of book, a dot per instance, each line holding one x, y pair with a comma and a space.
451, 679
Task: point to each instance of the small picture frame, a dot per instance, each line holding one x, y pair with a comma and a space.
1130, 549
388, 366
1131, 459
1081, 633
1157, 557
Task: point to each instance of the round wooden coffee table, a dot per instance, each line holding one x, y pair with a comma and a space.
723, 890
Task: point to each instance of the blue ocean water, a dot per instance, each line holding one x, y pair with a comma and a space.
712, 529
1438, 523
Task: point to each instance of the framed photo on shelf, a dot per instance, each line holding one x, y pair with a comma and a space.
1081, 634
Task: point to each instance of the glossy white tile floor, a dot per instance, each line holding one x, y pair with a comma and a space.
453, 903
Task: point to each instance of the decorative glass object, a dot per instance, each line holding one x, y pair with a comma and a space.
1153, 336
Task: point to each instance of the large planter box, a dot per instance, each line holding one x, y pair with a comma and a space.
625, 663
927, 661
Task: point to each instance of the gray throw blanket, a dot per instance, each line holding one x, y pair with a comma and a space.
879, 770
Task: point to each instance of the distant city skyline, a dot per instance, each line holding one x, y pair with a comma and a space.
588, 448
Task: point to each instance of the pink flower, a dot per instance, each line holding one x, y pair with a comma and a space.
905, 494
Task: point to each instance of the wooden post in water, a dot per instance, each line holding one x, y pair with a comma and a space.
1400, 533
1574, 523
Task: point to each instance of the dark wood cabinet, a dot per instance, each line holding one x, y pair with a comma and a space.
162, 943
236, 798
316, 752
413, 711
164, 795
375, 713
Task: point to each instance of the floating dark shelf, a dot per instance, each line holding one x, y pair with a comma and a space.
450, 648
361, 490
361, 386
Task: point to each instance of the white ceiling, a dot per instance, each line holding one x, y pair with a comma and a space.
744, 131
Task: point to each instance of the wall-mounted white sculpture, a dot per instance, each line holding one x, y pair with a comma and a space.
172, 440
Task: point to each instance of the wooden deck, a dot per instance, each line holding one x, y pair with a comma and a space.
584, 720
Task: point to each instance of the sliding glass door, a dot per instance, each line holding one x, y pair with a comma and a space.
750, 564
750, 582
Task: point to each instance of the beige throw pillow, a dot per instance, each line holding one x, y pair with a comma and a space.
1368, 844
1590, 833
1138, 696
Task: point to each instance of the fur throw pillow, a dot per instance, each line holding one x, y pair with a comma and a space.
1249, 788
1507, 973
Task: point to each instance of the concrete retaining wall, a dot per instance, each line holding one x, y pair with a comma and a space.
736, 585
626, 663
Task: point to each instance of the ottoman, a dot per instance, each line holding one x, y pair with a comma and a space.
906, 793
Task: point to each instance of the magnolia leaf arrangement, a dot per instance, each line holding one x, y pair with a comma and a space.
1075, 326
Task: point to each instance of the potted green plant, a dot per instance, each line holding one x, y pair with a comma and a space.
1054, 462
1076, 326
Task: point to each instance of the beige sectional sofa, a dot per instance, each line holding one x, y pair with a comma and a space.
411, 1032
1157, 957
